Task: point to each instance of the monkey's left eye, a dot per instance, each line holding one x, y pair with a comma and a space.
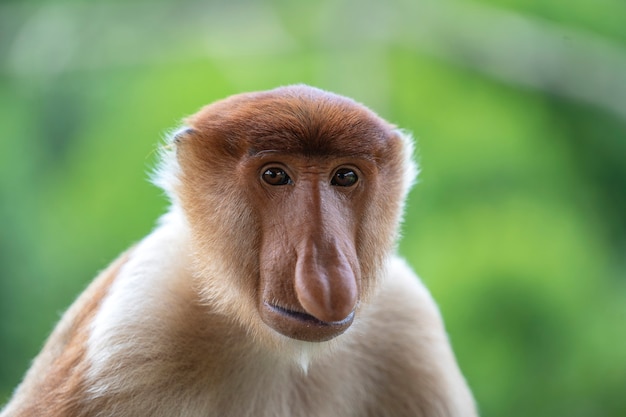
276, 176
344, 177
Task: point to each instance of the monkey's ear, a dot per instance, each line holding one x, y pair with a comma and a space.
179, 135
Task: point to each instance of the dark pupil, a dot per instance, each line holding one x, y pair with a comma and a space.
275, 176
344, 178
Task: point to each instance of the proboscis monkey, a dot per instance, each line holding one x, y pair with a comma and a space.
270, 288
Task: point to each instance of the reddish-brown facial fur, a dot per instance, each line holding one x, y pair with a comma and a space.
307, 164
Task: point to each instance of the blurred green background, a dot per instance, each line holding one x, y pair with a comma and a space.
518, 222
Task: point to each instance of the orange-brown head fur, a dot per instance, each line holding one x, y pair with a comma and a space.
307, 251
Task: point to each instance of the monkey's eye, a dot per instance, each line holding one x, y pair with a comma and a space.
344, 177
276, 176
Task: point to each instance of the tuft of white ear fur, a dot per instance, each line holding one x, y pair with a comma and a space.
166, 174
411, 169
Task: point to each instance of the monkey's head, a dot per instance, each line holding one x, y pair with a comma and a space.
294, 198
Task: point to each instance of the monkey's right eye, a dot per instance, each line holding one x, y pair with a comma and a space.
276, 176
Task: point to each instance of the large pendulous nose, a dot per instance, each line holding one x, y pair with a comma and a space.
326, 285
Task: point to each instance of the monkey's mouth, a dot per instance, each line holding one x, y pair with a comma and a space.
303, 326
309, 318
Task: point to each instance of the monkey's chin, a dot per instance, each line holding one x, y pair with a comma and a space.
302, 326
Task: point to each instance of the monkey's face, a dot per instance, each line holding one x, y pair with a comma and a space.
299, 193
309, 210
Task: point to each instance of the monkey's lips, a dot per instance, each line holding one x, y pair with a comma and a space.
302, 326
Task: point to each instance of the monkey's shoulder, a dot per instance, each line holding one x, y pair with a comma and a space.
402, 324
405, 302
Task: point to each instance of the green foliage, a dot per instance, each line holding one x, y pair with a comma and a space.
516, 224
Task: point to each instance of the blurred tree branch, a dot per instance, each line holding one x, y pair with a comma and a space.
523, 50
53, 38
